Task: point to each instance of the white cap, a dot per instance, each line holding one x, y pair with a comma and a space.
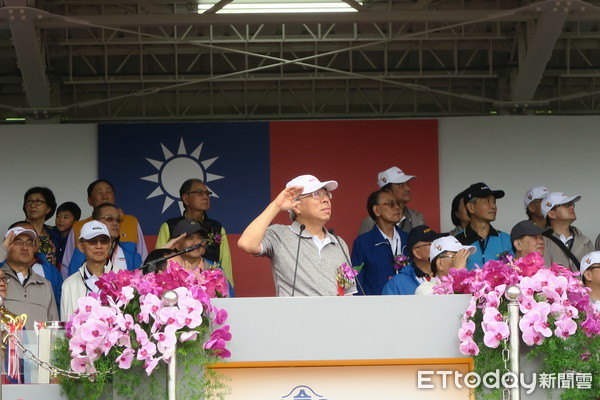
311, 184
93, 229
447, 243
392, 175
554, 199
17, 230
535, 193
588, 260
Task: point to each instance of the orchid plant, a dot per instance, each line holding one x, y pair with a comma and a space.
400, 261
346, 277
128, 324
555, 313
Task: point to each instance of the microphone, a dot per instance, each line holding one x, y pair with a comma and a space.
151, 265
203, 243
302, 228
332, 232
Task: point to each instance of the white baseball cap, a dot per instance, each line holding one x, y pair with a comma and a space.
311, 184
93, 229
535, 193
588, 260
554, 199
17, 230
392, 175
447, 243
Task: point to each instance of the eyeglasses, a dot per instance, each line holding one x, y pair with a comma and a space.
37, 202
94, 241
447, 256
201, 192
5, 279
317, 195
21, 243
111, 219
391, 203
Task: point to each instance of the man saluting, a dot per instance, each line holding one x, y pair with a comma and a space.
313, 271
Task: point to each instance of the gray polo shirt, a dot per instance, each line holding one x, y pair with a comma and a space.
317, 268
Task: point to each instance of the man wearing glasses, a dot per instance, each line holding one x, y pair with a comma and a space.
377, 249
590, 275
305, 257
94, 243
99, 192
195, 198
409, 277
395, 181
122, 254
28, 292
564, 244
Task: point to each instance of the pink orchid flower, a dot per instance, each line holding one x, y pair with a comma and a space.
466, 331
126, 358
469, 348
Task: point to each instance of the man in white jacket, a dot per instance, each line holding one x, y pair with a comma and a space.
94, 243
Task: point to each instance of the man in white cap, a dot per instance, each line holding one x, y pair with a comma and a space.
305, 257
445, 253
94, 243
533, 205
395, 181
564, 244
28, 292
590, 276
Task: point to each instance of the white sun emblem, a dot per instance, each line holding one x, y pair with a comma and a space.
175, 169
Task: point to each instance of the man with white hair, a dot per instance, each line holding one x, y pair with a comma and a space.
564, 244
395, 181
305, 256
533, 205
590, 275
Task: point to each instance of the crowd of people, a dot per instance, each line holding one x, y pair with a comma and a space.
398, 253
46, 269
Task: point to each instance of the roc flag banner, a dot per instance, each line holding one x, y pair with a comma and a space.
147, 163
246, 164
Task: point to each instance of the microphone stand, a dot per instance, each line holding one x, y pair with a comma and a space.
302, 228
332, 232
151, 265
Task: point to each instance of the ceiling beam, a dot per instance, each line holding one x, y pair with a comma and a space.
29, 57
539, 50
217, 6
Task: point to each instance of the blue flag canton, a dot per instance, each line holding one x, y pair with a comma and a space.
147, 163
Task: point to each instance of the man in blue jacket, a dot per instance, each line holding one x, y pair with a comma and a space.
491, 244
419, 270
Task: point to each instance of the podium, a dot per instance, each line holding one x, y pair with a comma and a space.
363, 347
326, 348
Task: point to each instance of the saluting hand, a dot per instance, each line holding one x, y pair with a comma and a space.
287, 199
460, 258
